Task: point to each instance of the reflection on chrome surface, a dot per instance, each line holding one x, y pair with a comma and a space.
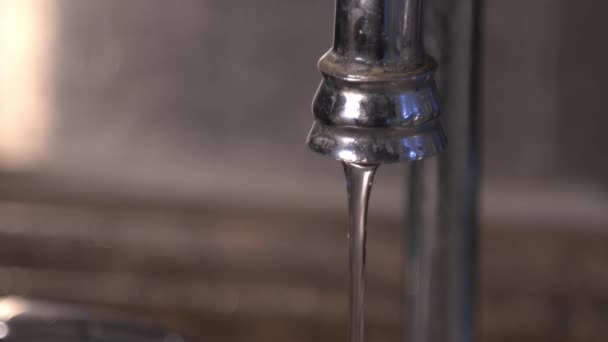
27, 320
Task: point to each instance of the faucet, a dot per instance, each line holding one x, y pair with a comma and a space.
378, 103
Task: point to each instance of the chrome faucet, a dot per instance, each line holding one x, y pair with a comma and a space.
378, 102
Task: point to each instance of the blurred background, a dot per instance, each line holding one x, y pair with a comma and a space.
152, 160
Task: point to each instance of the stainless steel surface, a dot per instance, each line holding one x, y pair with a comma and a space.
377, 102
28, 320
359, 179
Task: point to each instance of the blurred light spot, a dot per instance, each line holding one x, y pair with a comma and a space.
11, 307
26, 31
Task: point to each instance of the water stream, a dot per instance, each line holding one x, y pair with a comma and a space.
359, 178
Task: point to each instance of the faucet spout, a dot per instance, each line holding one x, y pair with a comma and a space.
377, 102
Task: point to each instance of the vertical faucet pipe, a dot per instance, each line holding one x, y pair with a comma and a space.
443, 228
379, 32
459, 169
424, 299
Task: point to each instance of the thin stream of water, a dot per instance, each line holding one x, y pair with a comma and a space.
359, 178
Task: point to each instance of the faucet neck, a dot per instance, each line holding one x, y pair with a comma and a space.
380, 32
